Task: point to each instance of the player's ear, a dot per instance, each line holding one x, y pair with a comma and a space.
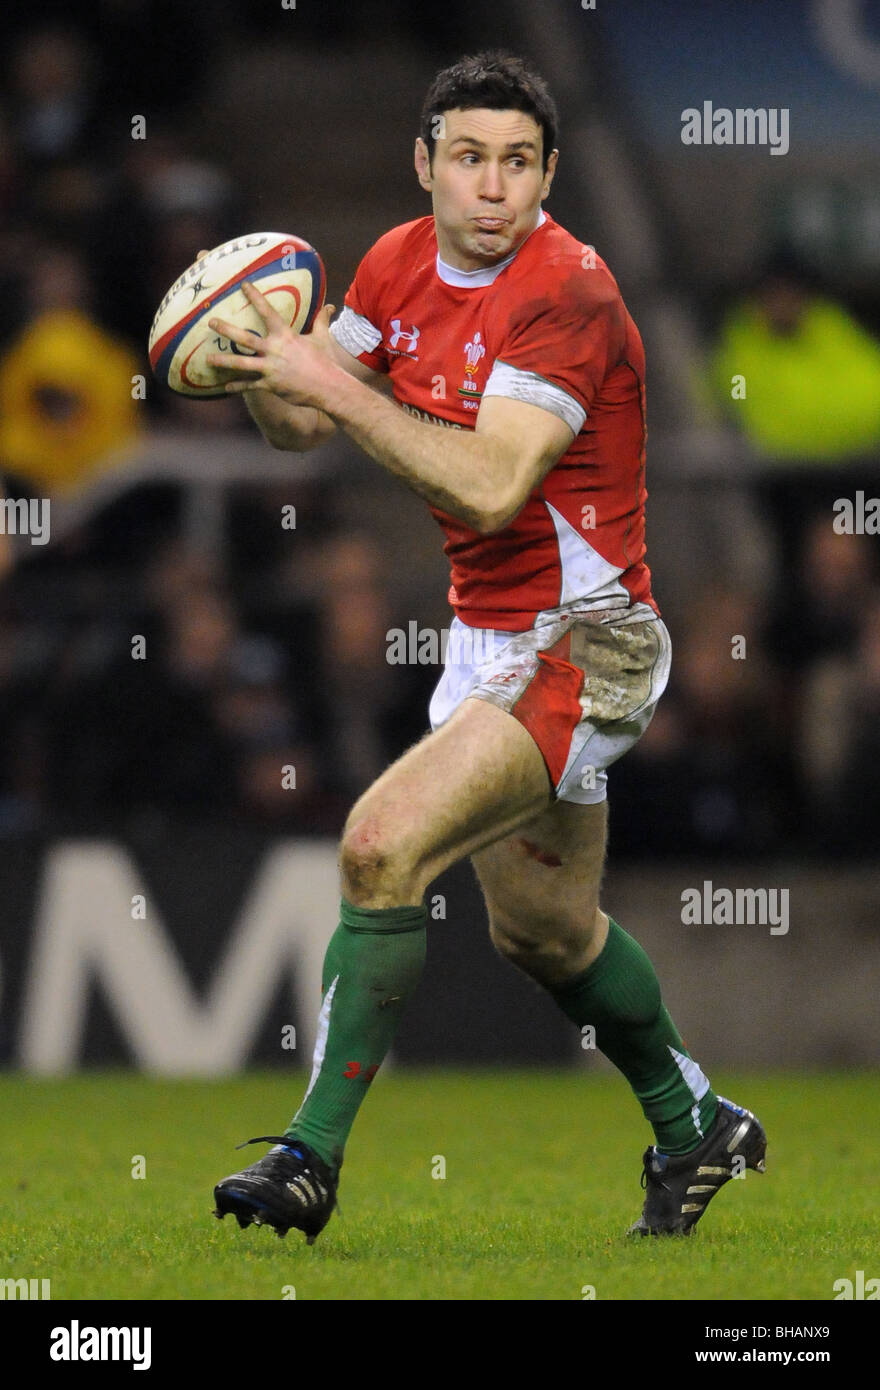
423, 164
550, 171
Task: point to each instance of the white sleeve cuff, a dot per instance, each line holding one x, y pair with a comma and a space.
518, 385
355, 333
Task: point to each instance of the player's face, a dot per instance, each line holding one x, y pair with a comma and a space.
487, 182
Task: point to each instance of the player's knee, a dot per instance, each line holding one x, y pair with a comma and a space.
546, 950
512, 941
364, 856
374, 860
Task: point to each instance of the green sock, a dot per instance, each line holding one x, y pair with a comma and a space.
619, 994
373, 963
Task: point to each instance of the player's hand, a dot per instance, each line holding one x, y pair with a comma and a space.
294, 366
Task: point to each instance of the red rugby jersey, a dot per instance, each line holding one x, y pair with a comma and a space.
547, 326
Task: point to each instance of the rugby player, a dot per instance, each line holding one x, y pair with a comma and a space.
485, 358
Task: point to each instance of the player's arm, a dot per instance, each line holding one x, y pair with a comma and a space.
481, 477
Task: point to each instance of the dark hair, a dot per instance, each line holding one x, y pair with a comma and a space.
496, 81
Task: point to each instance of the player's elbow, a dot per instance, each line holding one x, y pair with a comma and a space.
500, 495
490, 523
496, 517
287, 443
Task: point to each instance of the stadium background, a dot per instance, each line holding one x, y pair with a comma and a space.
161, 779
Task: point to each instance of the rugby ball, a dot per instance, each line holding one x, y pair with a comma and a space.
286, 269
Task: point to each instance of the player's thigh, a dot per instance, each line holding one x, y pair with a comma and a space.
543, 879
474, 779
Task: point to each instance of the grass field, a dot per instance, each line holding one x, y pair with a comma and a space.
542, 1178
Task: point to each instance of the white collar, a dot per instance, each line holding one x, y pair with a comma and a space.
483, 275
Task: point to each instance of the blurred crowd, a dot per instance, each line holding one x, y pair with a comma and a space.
767, 739
98, 214
138, 685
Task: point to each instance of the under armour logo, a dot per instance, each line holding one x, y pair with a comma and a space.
399, 333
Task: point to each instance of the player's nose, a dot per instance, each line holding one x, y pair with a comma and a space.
491, 184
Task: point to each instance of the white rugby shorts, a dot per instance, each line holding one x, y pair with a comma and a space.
584, 685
